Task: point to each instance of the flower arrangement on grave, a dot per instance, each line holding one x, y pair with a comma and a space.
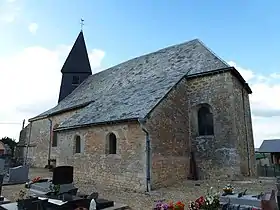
160, 205
210, 201
228, 189
21, 198
36, 179
179, 206
21, 195
55, 188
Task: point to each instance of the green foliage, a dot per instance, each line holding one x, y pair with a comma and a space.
55, 188
10, 142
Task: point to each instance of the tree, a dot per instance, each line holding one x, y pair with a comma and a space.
10, 142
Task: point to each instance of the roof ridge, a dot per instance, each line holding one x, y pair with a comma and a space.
147, 54
211, 51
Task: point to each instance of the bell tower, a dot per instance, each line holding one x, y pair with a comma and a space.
75, 69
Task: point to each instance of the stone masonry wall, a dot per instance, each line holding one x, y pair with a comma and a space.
217, 155
252, 157
173, 131
244, 131
168, 127
123, 170
20, 151
40, 136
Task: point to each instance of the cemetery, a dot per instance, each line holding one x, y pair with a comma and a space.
60, 192
57, 192
55, 189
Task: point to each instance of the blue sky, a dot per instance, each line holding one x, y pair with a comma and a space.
245, 31
37, 35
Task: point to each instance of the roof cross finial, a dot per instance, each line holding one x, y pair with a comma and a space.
82, 24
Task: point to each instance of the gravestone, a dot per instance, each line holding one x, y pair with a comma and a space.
2, 165
62, 175
17, 175
2, 199
268, 201
1, 182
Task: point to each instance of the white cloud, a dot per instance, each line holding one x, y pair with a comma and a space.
9, 11
275, 75
96, 56
30, 83
33, 27
246, 73
265, 105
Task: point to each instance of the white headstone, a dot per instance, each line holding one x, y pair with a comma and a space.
92, 205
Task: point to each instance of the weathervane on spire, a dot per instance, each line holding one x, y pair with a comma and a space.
82, 24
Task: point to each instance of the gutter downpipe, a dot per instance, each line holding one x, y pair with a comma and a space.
27, 146
148, 155
50, 142
246, 133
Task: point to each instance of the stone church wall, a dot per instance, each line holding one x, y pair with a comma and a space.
125, 169
40, 137
122, 170
173, 129
168, 129
218, 155
245, 141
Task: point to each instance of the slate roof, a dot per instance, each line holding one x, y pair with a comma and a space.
77, 61
132, 89
270, 146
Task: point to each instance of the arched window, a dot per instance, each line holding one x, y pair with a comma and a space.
54, 136
205, 121
78, 144
111, 144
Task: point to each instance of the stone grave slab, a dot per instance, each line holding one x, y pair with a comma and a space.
266, 201
245, 200
117, 206
16, 175
43, 187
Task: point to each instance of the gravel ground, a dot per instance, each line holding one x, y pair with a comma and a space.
185, 191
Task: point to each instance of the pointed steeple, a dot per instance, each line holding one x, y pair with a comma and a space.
76, 67
77, 60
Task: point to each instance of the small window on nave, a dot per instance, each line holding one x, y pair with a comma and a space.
111, 144
78, 145
54, 136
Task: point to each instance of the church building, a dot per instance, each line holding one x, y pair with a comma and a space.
180, 112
